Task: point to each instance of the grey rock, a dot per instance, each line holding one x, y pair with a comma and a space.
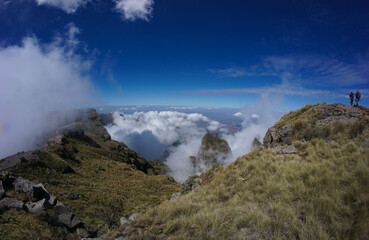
22, 185
120, 238
2, 191
276, 136
66, 217
123, 221
35, 207
133, 217
175, 196
8, 203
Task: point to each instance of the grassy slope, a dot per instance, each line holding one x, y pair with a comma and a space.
101, 190
320, 193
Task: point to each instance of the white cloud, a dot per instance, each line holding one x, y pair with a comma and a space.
69, 6
181, 134
238, 114
135, 9
37, 79
167, 126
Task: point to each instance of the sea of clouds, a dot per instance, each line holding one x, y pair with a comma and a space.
174, 136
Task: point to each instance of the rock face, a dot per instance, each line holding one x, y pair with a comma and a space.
256, 143
212, 151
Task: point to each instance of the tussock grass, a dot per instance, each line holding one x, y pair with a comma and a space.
102, 189
322, 193
21, 225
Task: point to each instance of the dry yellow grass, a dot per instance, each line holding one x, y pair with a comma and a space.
320, 193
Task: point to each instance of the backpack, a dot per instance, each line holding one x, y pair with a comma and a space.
358, 95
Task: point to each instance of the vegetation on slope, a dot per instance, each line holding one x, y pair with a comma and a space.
98, 179
320, 193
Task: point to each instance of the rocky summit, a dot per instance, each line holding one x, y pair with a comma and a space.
213, 150
80, 183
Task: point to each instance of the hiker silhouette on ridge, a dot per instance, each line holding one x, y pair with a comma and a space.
351, 95
358, 96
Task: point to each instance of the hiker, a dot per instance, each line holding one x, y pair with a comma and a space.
351, 98
358, 96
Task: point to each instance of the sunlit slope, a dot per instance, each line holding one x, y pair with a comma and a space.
98, 179
320, 192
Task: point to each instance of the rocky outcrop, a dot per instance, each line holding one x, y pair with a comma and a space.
305, 124
276, 136
256, 143
44, 201
212, 151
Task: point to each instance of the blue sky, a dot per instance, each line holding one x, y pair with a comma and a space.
206, 53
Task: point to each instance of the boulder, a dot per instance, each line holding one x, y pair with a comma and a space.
35, 207
22, 185
123, 221
66, 218
8, 203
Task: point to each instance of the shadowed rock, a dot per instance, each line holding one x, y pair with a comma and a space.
2, 191
9, 203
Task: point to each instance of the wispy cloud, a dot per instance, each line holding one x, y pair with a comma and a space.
307, 70
53, 77
230, 72
278, 89
69, 6
135, 9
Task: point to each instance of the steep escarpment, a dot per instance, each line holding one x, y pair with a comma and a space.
98, 180
320, 190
